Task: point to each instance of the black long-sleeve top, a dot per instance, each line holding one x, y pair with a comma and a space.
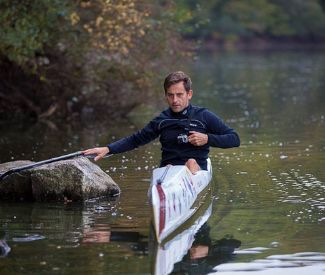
170, 126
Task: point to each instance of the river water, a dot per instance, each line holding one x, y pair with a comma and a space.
266, 210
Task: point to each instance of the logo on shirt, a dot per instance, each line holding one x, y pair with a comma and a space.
193, 125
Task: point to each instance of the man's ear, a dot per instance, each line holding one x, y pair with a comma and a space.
190, 94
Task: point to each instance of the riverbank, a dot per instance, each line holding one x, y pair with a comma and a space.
261, 44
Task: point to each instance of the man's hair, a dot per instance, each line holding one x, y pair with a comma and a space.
177, 77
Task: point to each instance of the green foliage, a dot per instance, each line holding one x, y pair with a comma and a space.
27, 26
72, 56
251, 18
306, 18
258, 17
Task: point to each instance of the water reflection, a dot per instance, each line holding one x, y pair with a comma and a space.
305, 191
191, 249
297, 263
271, 190
172, 251
4, 247
205, 253
28, 238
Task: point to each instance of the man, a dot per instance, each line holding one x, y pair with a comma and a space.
186, 132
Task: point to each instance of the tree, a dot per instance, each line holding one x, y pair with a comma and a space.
229, 19
71, 56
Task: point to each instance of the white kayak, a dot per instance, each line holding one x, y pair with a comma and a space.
174, 191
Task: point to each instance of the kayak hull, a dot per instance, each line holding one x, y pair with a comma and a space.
174, 191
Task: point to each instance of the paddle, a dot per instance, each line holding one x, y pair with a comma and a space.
36, 164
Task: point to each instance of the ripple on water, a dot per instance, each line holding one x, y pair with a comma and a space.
302, 190
254, 250
28, 238
298, 263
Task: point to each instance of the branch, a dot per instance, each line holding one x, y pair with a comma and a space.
50, 111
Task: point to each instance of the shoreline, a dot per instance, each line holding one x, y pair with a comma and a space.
260, 44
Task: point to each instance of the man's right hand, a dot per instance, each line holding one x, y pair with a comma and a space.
99, 151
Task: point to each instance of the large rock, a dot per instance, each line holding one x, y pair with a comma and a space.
16, 186
75, 179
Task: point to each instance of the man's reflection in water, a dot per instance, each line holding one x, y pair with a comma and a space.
205, 254
100, 234
96, 236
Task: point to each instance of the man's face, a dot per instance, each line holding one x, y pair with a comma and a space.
177, 97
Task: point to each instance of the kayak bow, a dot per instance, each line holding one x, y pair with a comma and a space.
174, 191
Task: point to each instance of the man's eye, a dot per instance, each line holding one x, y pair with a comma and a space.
177, 95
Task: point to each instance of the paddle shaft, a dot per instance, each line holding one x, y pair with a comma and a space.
36, 164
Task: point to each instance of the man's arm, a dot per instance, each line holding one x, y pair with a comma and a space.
144, 136
219, 134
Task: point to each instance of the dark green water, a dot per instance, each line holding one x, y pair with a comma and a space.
268, 193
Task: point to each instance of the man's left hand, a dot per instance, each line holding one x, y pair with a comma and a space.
197, 139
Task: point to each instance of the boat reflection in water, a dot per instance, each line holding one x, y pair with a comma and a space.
173, 250
205, 255
191, 250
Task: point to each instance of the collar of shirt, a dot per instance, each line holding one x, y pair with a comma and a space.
182, 114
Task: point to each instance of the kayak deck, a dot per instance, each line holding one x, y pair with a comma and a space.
173, 191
